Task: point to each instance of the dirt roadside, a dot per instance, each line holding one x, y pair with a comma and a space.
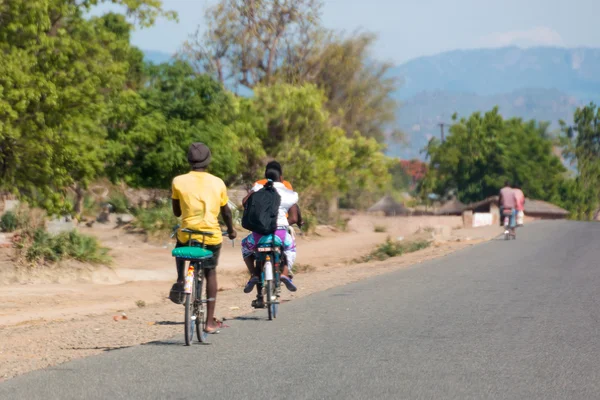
44, 324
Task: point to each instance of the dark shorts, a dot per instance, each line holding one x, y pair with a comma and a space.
216, 249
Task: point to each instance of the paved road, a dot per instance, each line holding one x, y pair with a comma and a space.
503, 320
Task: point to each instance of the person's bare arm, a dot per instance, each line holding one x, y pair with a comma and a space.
228, 218
176, 208
294, 216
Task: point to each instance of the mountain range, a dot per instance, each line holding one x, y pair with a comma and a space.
543, 83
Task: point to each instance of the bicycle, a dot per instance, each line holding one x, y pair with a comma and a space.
195, 298
268, 257
507, 230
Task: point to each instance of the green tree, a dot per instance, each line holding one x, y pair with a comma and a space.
582, 146
481, 152
56, 76
320, 160
151, 132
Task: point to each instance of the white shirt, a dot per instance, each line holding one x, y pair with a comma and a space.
288, 199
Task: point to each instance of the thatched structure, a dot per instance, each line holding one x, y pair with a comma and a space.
452, 207
389, 207
544, 210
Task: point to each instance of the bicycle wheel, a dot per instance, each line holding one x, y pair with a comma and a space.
201, 312
269, 291
189, 314
275, 296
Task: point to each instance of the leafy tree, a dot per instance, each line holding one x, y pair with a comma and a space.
582, 146
320, 160
56, 76
246, 41
482, 152
151, 132
359, 90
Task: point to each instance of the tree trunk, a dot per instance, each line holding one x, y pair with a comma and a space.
79, 198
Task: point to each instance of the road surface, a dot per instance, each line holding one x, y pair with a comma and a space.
502, 320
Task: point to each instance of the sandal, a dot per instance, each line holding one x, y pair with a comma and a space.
288, 283
251, 283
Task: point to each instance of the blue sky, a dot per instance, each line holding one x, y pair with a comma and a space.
411, 28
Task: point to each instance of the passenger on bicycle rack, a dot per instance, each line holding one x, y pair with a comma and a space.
198, 198
295, 208
288, 205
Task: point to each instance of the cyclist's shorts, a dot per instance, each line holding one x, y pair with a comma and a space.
216, 250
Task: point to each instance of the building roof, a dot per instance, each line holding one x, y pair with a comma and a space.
451, 207
533, 207
389, 206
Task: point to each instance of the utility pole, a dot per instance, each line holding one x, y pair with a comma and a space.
442, 124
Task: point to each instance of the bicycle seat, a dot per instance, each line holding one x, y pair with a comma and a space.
194, 232
191, 253
270, 240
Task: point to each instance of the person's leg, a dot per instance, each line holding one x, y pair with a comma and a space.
248, 248
289, 249
210, 275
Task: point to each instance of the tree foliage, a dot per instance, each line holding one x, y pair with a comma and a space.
57, 73
320, 160
247, 41
483, 151
581, 144
177, 107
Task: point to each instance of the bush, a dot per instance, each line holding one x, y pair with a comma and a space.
380, 229
393, 249
155, 220
39, 247
9, 222
119, 202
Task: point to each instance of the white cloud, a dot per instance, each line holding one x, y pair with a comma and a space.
538, 36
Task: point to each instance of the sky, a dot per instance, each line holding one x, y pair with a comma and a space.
408, 29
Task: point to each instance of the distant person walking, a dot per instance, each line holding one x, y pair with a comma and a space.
520, 206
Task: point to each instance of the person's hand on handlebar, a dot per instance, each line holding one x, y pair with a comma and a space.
232, 235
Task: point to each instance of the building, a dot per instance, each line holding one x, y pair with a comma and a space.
389, 207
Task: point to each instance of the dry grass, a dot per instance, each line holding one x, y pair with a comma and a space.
380, 229
304, 268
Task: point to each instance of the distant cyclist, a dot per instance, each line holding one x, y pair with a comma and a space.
508, 206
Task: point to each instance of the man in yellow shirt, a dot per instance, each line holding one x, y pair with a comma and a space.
198, 198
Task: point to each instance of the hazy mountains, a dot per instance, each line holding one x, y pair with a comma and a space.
536, 83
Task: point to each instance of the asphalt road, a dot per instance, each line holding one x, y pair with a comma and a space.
502, 320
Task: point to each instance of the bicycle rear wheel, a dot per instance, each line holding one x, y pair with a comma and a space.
201, 312
190, 318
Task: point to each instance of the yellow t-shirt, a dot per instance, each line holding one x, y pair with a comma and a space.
201, 196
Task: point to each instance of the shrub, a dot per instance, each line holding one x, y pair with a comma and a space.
380, 229
393, 248
9, 222
39, 247
155, 220
119, 202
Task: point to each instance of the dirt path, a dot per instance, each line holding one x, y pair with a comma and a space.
43, 324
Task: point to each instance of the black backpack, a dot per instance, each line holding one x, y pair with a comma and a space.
261, 209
